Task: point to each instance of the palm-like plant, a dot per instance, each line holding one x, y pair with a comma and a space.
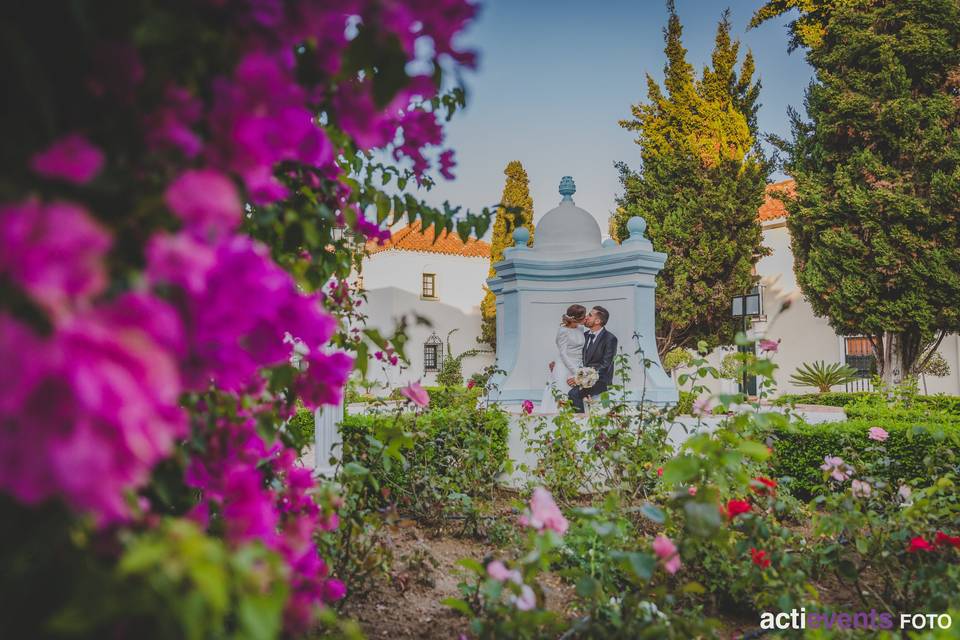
822, 375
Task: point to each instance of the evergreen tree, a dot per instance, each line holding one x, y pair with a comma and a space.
875, 225
515, 210
701, 182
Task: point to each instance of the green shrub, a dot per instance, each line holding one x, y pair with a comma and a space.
800, 449
301, 428
829, 399
684, 406
936, 403
448, 452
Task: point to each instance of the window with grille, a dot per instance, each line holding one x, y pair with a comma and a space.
432, 353
429, 287
859, 355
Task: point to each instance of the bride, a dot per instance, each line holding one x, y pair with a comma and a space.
569, 357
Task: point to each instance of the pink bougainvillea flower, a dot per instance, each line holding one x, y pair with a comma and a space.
324, 379
205, 200
54, 252
544, 513
735, 508
447, 163
527, 407
692, 491
90, 410
759, 558
416, 394
919, 544
943, 539
666, 550
879, 434
860, 489
769, 346
171, 125
836, 467
71, 158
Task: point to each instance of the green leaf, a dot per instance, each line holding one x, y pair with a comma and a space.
653, 512
472, 565
639, 565
587, 587
681, 469
756, 450
458, 605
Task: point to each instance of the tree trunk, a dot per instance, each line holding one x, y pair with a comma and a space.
896, 356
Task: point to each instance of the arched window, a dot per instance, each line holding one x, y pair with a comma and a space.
432, 353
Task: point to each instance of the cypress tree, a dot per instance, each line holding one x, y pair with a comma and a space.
515, 210
699, 187
875, 225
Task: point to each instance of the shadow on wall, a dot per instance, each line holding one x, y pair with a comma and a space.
385, 307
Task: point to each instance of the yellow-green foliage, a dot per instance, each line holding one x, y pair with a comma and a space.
515, 210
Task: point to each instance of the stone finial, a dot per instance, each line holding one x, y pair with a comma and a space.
521, 235
610, 243
637, 227
567, 188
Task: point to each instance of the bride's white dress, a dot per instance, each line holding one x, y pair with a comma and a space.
569, 359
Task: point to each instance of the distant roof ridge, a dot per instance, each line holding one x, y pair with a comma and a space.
773, 208
413, 237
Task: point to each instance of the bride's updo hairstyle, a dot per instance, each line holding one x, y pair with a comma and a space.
575, 312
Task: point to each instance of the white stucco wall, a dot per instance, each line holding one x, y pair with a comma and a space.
393, 279
807, 338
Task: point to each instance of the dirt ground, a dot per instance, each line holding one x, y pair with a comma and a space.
407, 604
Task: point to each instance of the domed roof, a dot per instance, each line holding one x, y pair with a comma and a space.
567, 227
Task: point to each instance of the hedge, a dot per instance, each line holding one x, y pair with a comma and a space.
799, 450
446, 396
938, 402
451, 450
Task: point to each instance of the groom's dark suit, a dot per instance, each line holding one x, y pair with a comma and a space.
598, 353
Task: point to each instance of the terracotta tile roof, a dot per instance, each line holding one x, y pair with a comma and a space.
412, 238
773, 208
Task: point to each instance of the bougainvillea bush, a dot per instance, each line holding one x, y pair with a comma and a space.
185, 187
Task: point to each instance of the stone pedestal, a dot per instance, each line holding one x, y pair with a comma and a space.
326, 439
567, 264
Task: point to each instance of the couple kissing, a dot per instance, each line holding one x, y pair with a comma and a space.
584, 364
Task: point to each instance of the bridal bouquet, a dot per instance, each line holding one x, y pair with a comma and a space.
586, 377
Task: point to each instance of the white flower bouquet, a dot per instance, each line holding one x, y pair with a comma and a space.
586, 377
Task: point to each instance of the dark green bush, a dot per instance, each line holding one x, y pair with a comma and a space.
799, 450
451, 451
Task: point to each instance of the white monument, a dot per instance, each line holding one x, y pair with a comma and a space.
567, 264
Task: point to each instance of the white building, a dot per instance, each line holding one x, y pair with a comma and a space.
442, 282
805, 338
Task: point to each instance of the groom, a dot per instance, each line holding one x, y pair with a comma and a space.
598, 351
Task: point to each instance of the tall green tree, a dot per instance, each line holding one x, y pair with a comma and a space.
515, 210
700, 184
875, 224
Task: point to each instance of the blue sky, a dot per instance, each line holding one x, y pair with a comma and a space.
555, 77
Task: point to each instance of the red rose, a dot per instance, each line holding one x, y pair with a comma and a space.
943, 539
735, 508
659, 472
763, 485
919, 544
759, 558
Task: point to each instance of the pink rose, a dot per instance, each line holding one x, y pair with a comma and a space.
544, 513
499, 572
416, 394
527, 407
769, 346
666, 550
878, 434
860, 489
527, 599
